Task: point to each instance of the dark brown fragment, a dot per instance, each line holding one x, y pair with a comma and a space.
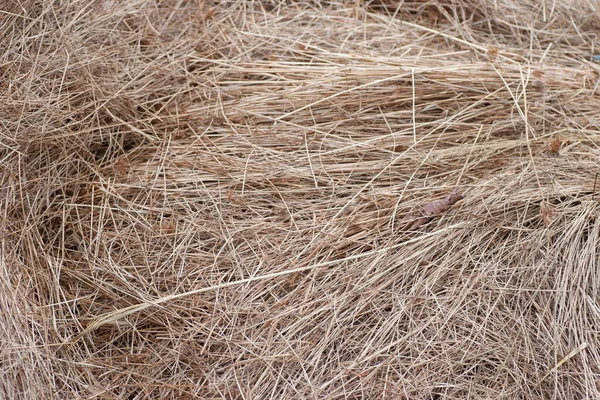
435, 208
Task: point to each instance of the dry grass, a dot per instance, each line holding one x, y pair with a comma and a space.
215, 199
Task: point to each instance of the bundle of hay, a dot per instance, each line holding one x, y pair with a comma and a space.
299, 199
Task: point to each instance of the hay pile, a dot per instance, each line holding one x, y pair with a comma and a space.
225, 199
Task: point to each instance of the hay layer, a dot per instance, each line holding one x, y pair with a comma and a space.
236, 199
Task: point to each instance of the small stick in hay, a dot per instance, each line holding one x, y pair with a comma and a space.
435, 208
572, 354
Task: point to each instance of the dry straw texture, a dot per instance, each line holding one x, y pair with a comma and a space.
261, 199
